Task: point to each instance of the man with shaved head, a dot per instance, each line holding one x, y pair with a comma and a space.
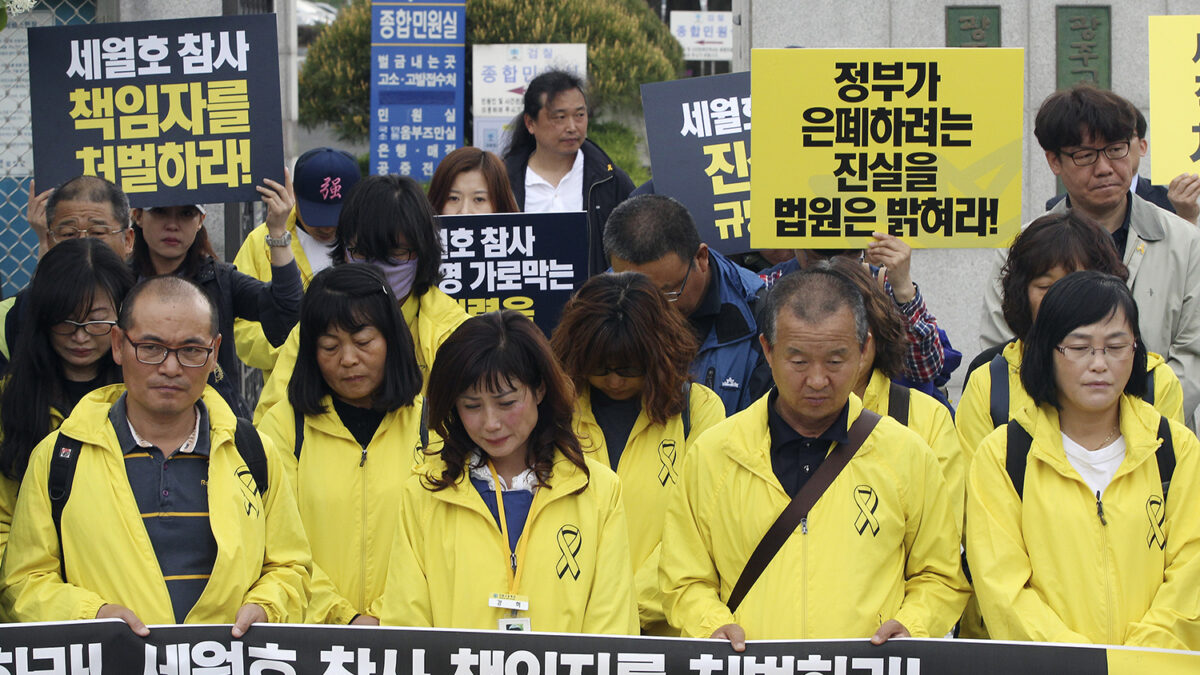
867, 544
164, 483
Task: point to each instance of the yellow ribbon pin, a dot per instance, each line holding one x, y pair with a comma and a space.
1157, 515
666, 455
867, 501
569, 542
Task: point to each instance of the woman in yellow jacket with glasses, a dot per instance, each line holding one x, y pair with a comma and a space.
1081, 510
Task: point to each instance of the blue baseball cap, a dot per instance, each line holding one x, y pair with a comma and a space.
322, 179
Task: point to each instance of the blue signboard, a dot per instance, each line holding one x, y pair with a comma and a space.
417, 84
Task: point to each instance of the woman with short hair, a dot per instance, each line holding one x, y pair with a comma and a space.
1073, 532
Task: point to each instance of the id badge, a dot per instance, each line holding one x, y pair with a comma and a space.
514, 624
516, 603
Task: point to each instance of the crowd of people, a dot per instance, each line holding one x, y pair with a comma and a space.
698, 449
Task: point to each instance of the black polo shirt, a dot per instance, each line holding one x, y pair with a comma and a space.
795, 457
172, 497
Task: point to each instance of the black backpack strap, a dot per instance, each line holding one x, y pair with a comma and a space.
1019, 442
1148, 397
998, 369
686, 414
898, 397
250, 447
299, 431
424, 423
1165, 456
62, 475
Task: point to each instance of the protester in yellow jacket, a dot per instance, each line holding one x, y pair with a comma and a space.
1076, 532
351, 431
628, 352
508, 526
262, 558
883, 359
321, 180
828, 580
387, 222
73, 301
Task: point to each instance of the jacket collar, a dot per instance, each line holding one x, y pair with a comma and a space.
89, 423
589, 429
1142, 220
749, 443
565, 479
1013, 352
1139, 426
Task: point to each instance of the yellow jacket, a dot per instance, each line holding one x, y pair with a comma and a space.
254, 258
448, 556
1045, 568
262, 554
431, 319
10, 487
348, 499
648, 470
861, 558
973, 418
932, 422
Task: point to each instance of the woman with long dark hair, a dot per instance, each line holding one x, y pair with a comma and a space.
172, 240
64, 353
470, 180
1081, 510
351, 431
627, 352
387, 221
509, 505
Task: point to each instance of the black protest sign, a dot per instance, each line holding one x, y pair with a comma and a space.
698, 131
110, 647
182, 111
529, 262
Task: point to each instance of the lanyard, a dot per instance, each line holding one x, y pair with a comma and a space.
514, 570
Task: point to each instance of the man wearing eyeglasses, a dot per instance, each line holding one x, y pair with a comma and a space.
655, 235
166, 522
85, 206
1090, 140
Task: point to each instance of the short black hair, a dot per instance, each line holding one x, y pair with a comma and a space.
1078, 299
1066, 114
811, 295
1069, 240
167, 286
90, 189
540, 91
647, 227
351, 297
377, 210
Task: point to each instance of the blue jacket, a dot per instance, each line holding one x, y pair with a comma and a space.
730, 355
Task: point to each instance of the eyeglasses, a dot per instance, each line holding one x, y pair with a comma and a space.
1082, 353
1088, 156
673, 296
67, 232
399, 254
623, 371
152, 353
68, 327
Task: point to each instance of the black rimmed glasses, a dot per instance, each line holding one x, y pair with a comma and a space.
69, 327
673, 296
1088, 156
152, 353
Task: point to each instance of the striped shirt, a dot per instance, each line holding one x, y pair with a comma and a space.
172, 496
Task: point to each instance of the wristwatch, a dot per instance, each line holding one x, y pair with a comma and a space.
285, 240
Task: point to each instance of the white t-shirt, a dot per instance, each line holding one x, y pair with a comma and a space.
317, 252
1097, 467
542, 197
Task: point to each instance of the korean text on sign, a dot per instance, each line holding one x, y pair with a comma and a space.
897, 141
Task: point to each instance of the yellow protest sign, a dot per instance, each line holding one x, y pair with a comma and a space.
1174, 109
925, 144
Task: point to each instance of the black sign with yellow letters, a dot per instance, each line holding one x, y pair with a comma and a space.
182, 111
